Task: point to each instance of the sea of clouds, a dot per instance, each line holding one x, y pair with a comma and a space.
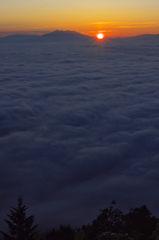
79, 127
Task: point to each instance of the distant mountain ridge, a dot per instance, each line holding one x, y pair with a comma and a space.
18, 38
64, 34
57, 35
60, 35
147, 36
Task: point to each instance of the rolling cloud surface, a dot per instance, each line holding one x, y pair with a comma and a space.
79, 127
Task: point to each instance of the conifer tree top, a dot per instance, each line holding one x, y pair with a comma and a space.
19, 226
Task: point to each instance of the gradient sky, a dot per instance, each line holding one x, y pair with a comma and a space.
114, 18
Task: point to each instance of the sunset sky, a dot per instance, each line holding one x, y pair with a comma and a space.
79, 119
115, 18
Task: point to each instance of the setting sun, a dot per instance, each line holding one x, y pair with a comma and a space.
100, 36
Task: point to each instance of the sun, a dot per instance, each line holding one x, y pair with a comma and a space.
100, 36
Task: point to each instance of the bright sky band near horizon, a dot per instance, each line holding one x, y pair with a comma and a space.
115, 18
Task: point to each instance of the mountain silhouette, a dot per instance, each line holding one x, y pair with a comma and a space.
18, 38
49, 37
147, 36
65, 35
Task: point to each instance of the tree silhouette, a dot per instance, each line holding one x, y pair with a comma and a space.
113, 224
140, 219
19, 226
110, 220
64, 232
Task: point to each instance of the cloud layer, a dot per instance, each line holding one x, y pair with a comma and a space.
79, 126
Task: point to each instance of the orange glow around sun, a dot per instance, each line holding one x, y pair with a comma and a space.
100, 36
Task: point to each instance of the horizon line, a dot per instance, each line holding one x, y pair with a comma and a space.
41, 33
